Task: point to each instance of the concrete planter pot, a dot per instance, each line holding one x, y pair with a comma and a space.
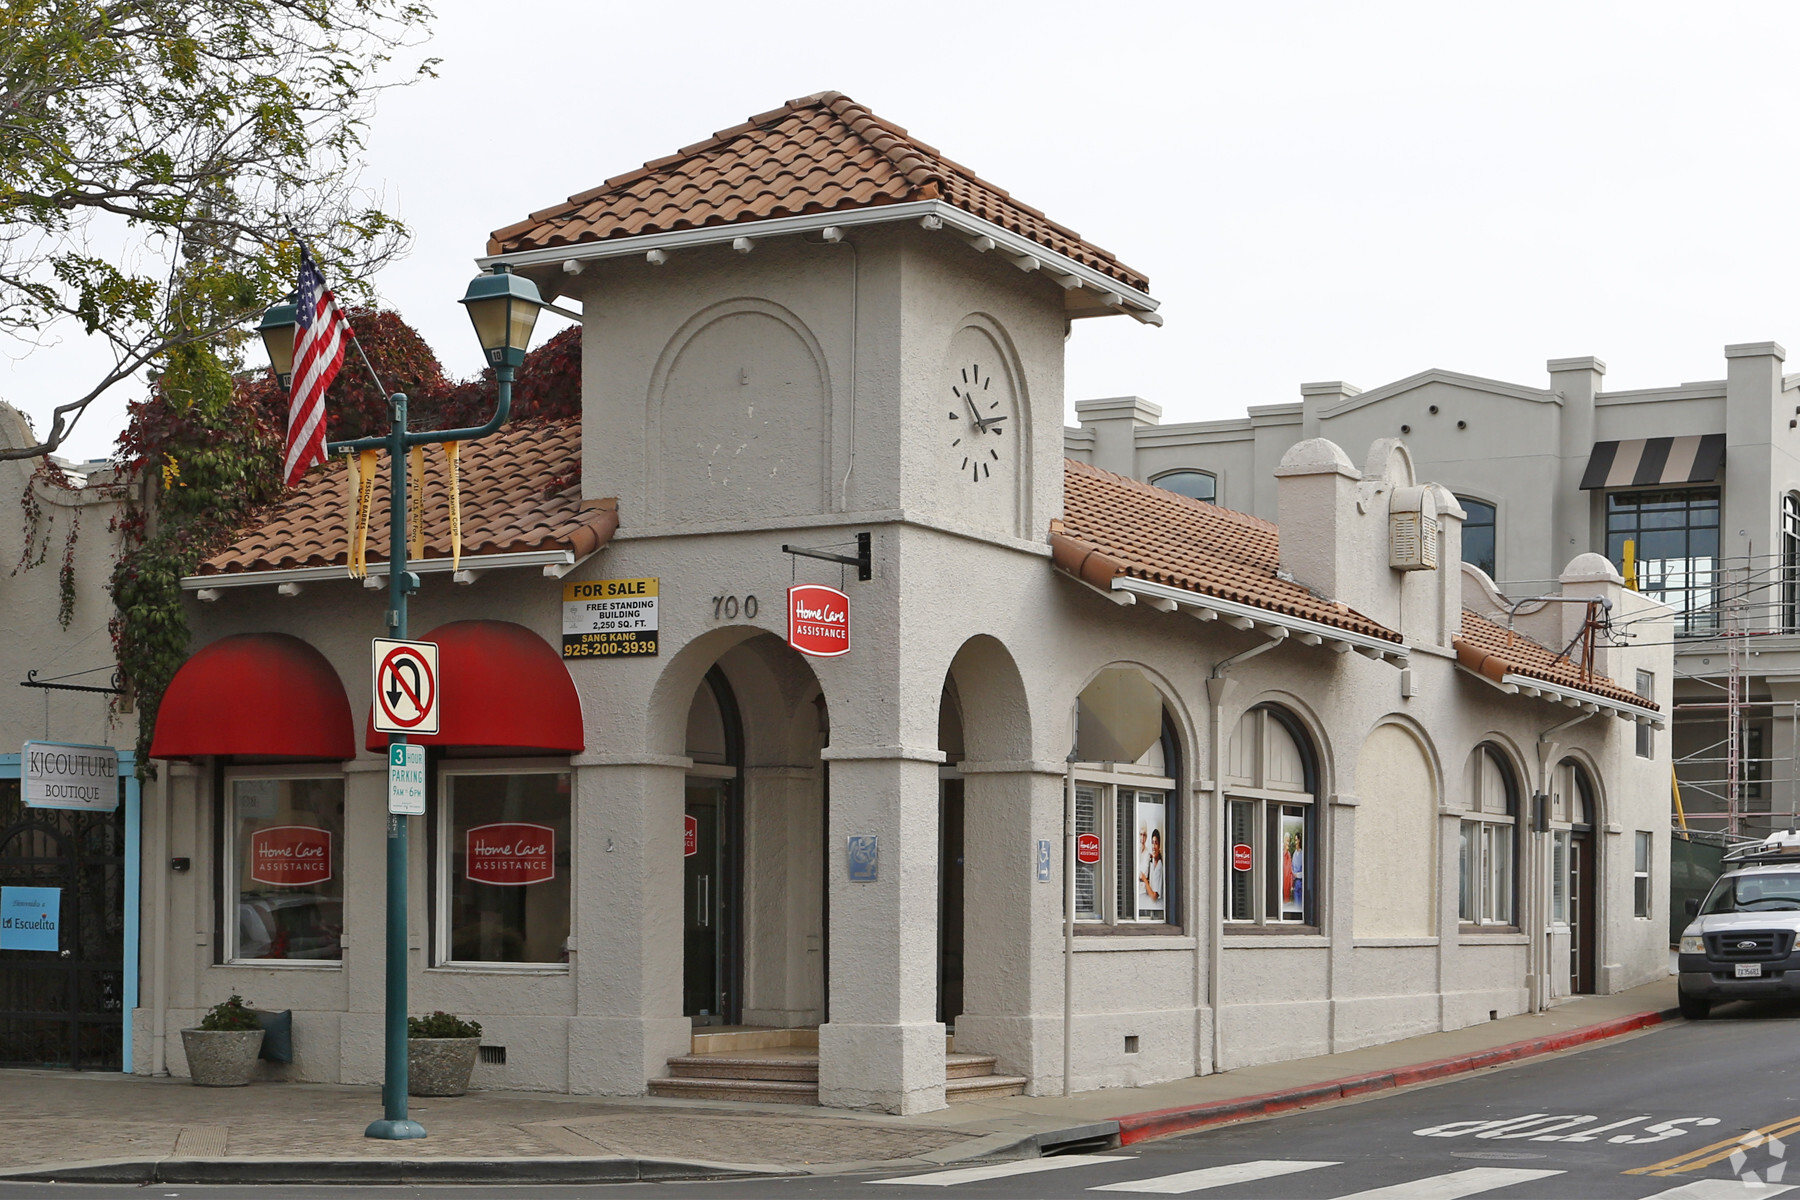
221, 1057
440, 1066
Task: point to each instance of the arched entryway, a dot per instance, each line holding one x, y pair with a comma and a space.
1575, 871
753, 813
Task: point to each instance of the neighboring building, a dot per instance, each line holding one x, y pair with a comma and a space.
1320, 800
1703, 479
72, 1006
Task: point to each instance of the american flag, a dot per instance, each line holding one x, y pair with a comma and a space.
319, 339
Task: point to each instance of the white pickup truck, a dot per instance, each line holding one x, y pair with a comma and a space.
1741, 943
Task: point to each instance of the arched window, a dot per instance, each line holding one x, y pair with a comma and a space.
1490, 831
1478, 534
1271, 822
1196, 485
1128, 837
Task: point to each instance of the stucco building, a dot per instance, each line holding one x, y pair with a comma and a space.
1702, 479
1302, 789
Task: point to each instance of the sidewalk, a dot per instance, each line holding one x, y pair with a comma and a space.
63, 1125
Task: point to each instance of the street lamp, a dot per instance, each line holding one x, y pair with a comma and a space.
277, 330
504, 308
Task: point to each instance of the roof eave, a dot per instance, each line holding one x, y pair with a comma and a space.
1514, 684
1110, 295
556, 563
1250, 616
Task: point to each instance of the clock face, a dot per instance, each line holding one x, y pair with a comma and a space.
978, 413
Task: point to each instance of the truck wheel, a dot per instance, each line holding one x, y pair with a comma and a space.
1693, 1008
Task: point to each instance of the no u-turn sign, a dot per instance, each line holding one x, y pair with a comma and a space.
406, 686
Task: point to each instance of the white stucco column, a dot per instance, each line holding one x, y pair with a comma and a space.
627, 923
883, 1047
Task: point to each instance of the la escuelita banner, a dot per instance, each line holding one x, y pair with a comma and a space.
510, 854
290, 855
818, 620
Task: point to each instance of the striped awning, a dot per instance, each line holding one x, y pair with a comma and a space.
1638, 462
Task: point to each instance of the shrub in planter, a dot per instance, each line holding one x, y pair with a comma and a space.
221, 1051
440, 1054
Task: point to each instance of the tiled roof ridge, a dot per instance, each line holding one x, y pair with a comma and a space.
1494, 661
928, 172
1245, 519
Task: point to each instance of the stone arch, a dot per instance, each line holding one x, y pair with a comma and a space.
1396, 823
738, 417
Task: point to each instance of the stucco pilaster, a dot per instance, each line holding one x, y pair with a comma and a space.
883, 1048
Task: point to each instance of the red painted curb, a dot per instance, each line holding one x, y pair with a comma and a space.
1162, 1122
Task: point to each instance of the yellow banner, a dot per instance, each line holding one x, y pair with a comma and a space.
365, 494
415, 504
453, 457
352, 486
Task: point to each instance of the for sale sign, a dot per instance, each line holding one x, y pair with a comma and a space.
290, 855
510, 854
818, 620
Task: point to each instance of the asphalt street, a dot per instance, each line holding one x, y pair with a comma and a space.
1685, 1111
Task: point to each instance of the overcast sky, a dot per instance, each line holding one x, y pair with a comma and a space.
1316, 190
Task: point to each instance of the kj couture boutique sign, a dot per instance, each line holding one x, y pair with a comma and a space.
511, 854
818, 620
290, 856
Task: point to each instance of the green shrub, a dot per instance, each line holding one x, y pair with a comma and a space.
442, 1025
232, 1014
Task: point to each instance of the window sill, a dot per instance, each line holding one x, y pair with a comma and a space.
1167, 941
1392, 943
1491, 935
1101, 929
286, 964
1260, 937
481, 968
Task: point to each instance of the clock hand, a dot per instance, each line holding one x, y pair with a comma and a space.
980, 425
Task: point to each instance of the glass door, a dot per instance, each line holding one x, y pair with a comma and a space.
710, 908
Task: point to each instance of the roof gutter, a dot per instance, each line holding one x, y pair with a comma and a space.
983, 235
556, 563
1248, 616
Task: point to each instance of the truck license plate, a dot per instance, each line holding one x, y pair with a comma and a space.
1749, 970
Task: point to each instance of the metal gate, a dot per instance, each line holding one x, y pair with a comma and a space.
66, 1007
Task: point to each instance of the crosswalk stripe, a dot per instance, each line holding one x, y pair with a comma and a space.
1722, 1189
1454, 1185
1027, 1166
1212, 1177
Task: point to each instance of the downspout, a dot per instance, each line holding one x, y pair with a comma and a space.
160, 926
1538, 867
1069, 896
1219, 690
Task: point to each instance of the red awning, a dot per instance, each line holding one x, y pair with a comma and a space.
501, 687
265, 694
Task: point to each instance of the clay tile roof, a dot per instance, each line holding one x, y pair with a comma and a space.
1113, 525
1489, 649
519, 494
818, 154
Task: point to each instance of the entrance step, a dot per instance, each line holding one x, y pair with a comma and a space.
984, 1087
790, 1075
764, 1091
791, 1063
733, 1039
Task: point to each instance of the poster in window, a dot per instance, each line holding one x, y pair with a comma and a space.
1293, 865
1152, 860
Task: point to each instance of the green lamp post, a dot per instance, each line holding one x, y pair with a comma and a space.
504, 309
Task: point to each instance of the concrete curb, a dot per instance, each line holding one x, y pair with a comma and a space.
293, 1171
1139, 1127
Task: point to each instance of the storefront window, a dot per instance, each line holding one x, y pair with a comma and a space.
285, 879
1487, 872
504, 867
1126, 834
1271, 824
